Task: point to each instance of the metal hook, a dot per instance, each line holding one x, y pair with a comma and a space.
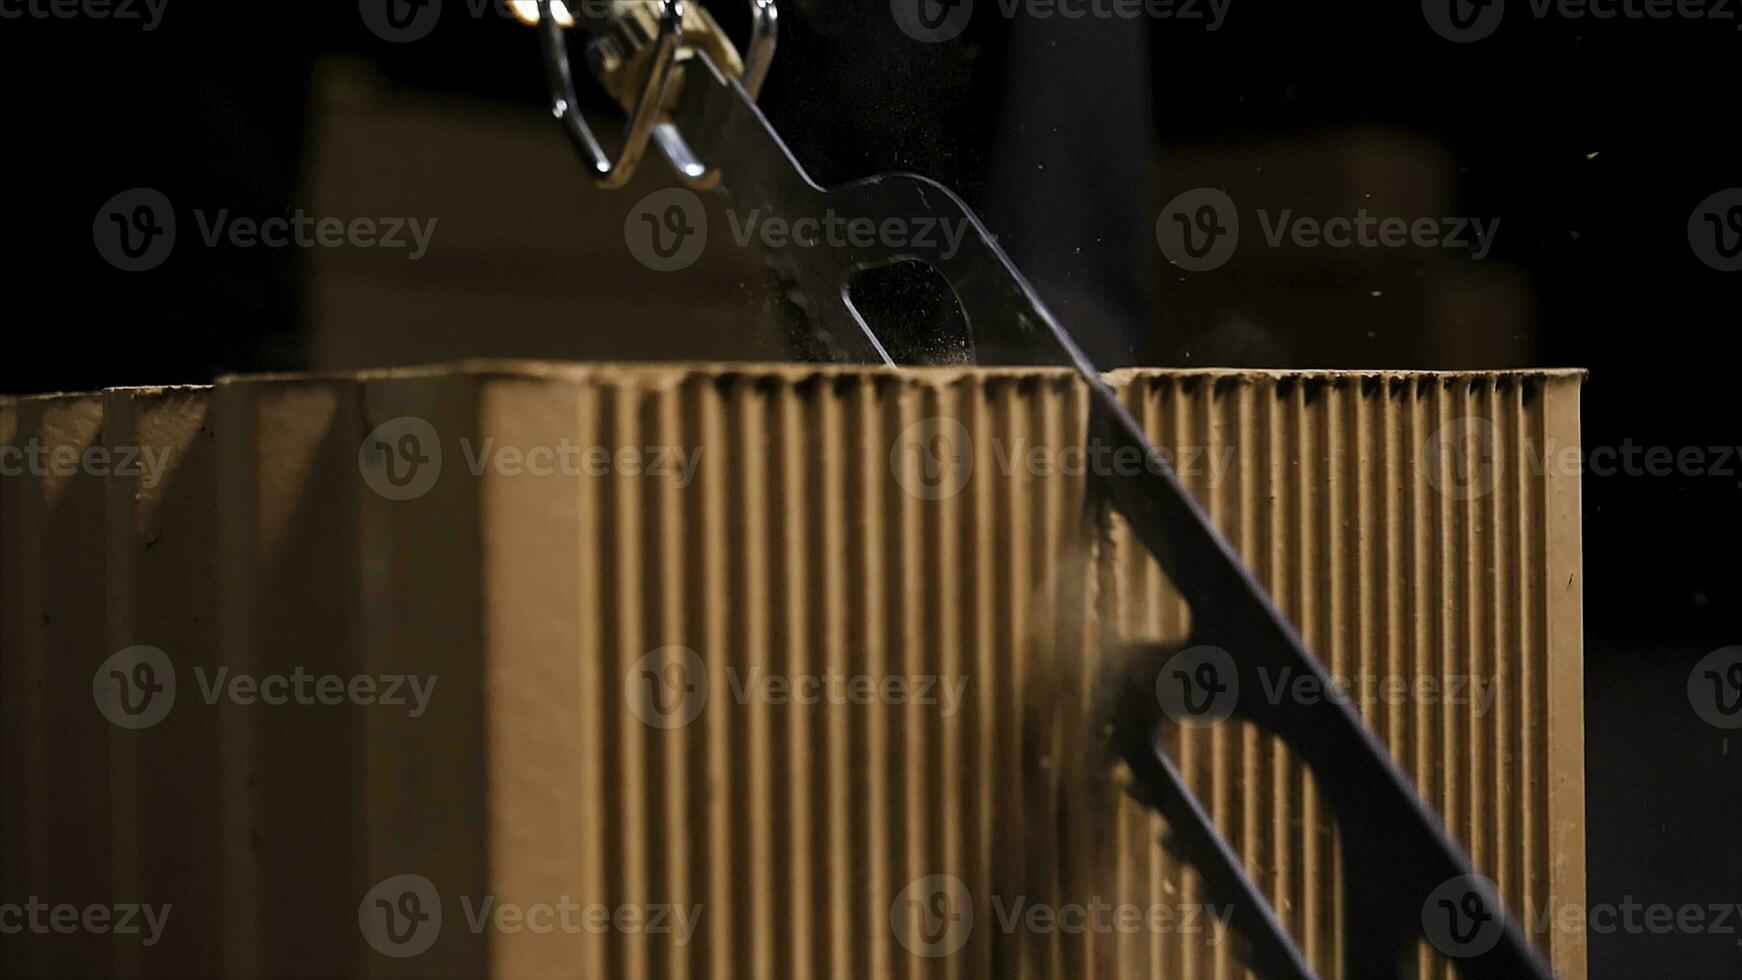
758, 58
764, 32
565, 102
663, 72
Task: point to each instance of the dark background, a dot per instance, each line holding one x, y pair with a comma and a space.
1592, 140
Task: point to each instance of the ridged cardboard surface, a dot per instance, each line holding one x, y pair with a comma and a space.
795, 661
1416, 534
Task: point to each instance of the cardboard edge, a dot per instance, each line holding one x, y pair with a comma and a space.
1564, 566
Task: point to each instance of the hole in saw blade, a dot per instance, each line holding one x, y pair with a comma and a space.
910, 308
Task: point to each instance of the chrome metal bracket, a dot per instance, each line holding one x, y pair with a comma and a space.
640, 61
